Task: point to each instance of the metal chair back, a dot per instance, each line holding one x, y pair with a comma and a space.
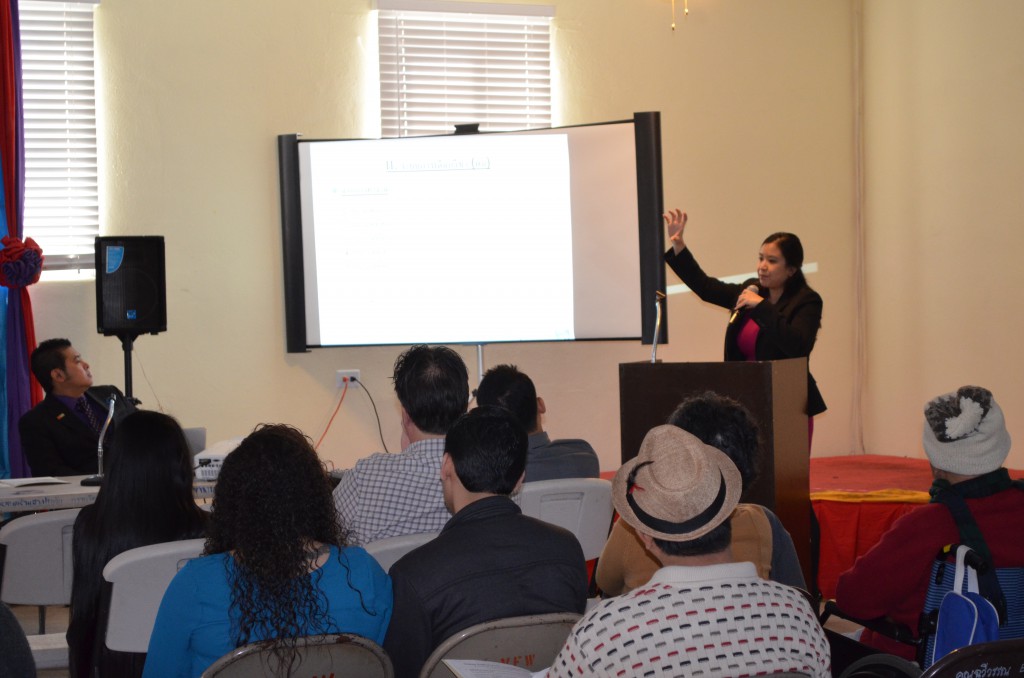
531, 641
337, 655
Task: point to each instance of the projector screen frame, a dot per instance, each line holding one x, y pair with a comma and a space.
647, 132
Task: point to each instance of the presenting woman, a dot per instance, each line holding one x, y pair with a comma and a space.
775, 316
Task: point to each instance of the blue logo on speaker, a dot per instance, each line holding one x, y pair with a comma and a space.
115, 255
131, 314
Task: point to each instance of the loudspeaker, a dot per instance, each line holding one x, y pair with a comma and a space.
131, 292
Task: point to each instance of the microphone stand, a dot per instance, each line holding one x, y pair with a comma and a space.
659, 297
98, 478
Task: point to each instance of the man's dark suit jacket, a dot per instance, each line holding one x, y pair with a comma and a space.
57, 442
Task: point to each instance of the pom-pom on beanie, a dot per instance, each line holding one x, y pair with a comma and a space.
964, 432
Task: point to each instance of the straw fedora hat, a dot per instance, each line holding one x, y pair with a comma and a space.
676, 488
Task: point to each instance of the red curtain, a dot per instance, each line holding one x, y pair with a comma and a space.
20, 263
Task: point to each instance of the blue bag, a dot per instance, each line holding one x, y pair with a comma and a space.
965, 616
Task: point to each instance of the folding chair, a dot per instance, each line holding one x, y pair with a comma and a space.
532, 641
36, 562
388, 551
581, 505
133, 586
337, 655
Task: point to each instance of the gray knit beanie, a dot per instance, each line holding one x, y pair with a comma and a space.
964, 432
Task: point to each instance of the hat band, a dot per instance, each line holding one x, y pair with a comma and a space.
668, 527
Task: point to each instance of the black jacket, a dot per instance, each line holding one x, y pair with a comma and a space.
489, 562
788, 329
57, 443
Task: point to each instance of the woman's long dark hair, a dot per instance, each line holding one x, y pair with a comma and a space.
272, 502
146, 498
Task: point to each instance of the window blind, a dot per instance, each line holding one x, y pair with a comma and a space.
59, 99
442, 68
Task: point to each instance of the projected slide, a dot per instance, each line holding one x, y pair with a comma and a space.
434, 238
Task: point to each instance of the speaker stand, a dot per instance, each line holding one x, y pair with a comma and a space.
127, 342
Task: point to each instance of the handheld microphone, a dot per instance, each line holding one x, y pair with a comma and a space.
736, 311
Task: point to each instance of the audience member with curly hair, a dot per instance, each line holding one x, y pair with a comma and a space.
276, 565
758, 535
145, 499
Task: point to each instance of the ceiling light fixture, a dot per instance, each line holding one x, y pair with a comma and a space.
686, 11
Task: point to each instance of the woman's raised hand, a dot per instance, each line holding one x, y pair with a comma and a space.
675, 220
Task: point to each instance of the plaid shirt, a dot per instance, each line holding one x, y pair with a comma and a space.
387, 495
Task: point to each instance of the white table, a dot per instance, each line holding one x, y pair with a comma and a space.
66, 495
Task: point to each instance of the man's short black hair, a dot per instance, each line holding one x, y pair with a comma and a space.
505, 386
488, 447
433, 386
48, 356
715, 541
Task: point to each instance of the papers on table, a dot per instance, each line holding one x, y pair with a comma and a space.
26, 482
474, 668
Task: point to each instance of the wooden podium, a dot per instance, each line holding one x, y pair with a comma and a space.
774, 391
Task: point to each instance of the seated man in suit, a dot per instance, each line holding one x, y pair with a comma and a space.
388, 495
547, 459
702, 613
61, 434
490, 561
973, 502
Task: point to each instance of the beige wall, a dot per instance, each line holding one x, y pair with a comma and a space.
944, 181
757, 127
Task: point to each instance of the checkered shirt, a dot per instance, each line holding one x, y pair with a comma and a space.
717, 620
387, 495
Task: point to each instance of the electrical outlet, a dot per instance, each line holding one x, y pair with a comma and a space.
350, 376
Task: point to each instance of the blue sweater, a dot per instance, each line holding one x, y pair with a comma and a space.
193, 627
